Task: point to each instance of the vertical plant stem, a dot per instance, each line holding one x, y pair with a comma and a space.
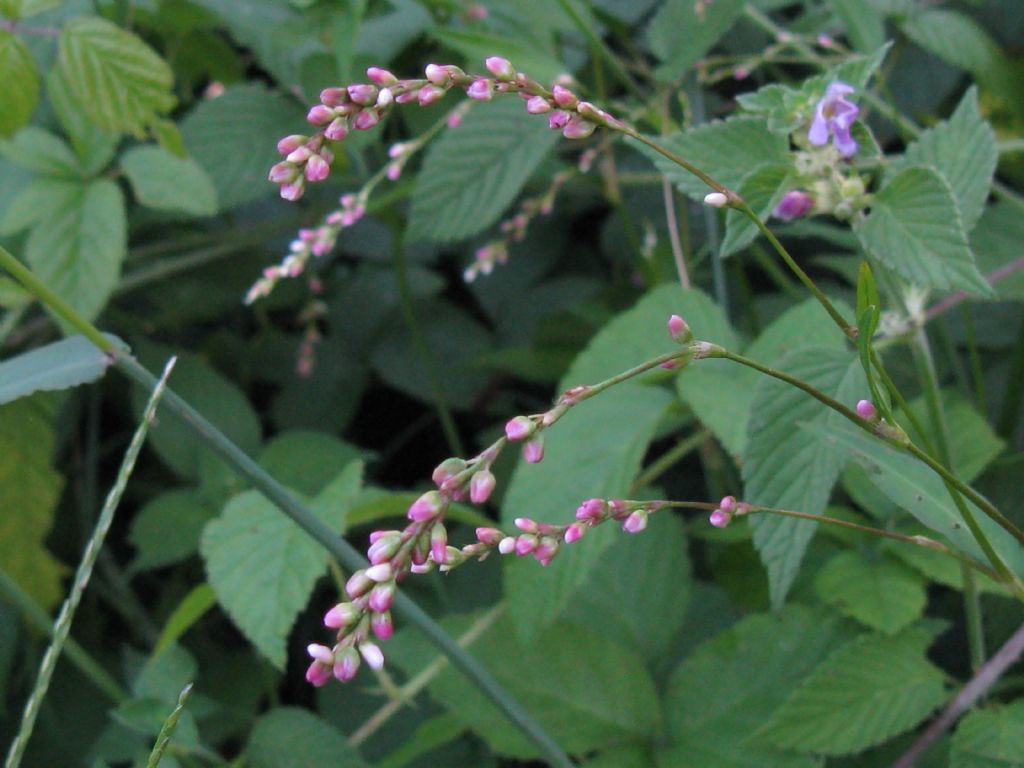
668, 197
719, 284
67, 612
1009, 415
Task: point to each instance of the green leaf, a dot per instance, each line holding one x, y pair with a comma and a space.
306, 462
915, 229
955, 38
476, 46
116, 78
881, 593
428, 736
20, 9
719, 697
586, 691
192, 607
472, 173
864, 25
30, 488
963, 150
168, 183
167, 529
42, 152
263, 566
247, 116
789, 467
990, 738
581, 462
35, 201
93, 145
288, 737
975, 444
164, 674
863, 694
726, 151
682, 31
59, 365
78, 248
21, 84
762, 188
996, 241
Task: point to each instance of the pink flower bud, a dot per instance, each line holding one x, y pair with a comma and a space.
381, 77
294, 190
283, 173
520, 428
575, 532
727, 504
363, 94
437, 74
447, 469
481, 486
429, 94
380, 572
577, 128
439, 544
720, 518
500, 68
337, 130
365, 120
381, 597
346, 665
407, 96
538, 105
372, 655
334, 97
489, 536
385, 98
299, 155
481, 89
358, 584
679, 330
382, 625
317, 169
593, 510
558, 119
289, 144
320, 115
427, 507
526, 544
507, 545
318, 674
546, 550
320, 653
564, 97
866, 410
526, 524
341, 615
636, 521
533, 450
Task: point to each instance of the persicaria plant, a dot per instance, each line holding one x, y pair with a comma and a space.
590, 383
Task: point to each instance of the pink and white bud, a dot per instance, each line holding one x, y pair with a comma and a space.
636, 521
381, 77
289, 144
340, 616
320, 115
448, 469
481, 486
318, 674
546, 550
427, 507
481, 89
727, 504
489, 536
439, 544
866, 410
520, 428
385, 98
538, 105
384, 548
679, 330
358, 584
363, 94
346, 665
294, 190
526, 544
500, 68
334, 97
578, 128
558, 119
429, 94
564, 98
407, 96
526, 525
299, 155
437, 74
317, 168
380, 572
372, 655
593, 510
382, 625
381, 597
283, 173
716, 199
720, 518
575, 532
337, 130
320, 653
533, 449
366, 120
507, 545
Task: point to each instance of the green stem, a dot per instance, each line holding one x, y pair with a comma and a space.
975, 356
601, 47
76, 654
1009, 414
680, 161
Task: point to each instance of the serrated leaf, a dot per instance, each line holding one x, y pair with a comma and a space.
581, 463
289, 737
963, 150
93, 145
472, 173
307, 462
725, 150
881, 593
586, 691
35, 201
30, 488
915, 229
990, 738
117, 79
168, 183
719, 697
21, 84
996, 241
59, 365
42, 152
263, 566
167, 529
762, 188
78, 248
249, 116
682, 31
974, 444
792, 468
863, 694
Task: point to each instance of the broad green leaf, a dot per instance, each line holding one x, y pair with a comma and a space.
167, 529
192, 607
726, 151
955, 38
915, 229
384, 36
247, 116
210, 393
77, 250
306, 462
990, 738
168, 183
720, 696
682, 31
585, 690
594, 451
116, 78
472, 173
963, 150
289, 737
93, 145
20, 9
789, 467
973, 443
35, 202
881, 593
428, 736
864, 693
42, 152
996, 241
762, 188
30, 488
919, 491
59, 365
864, 25
21, 84
263, 566
476, 46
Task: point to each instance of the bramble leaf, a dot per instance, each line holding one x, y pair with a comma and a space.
168, 183
21, 84
881, 593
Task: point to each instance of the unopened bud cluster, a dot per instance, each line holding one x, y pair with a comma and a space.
728, 508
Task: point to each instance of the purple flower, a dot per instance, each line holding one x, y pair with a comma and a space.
835, 115
793, 205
